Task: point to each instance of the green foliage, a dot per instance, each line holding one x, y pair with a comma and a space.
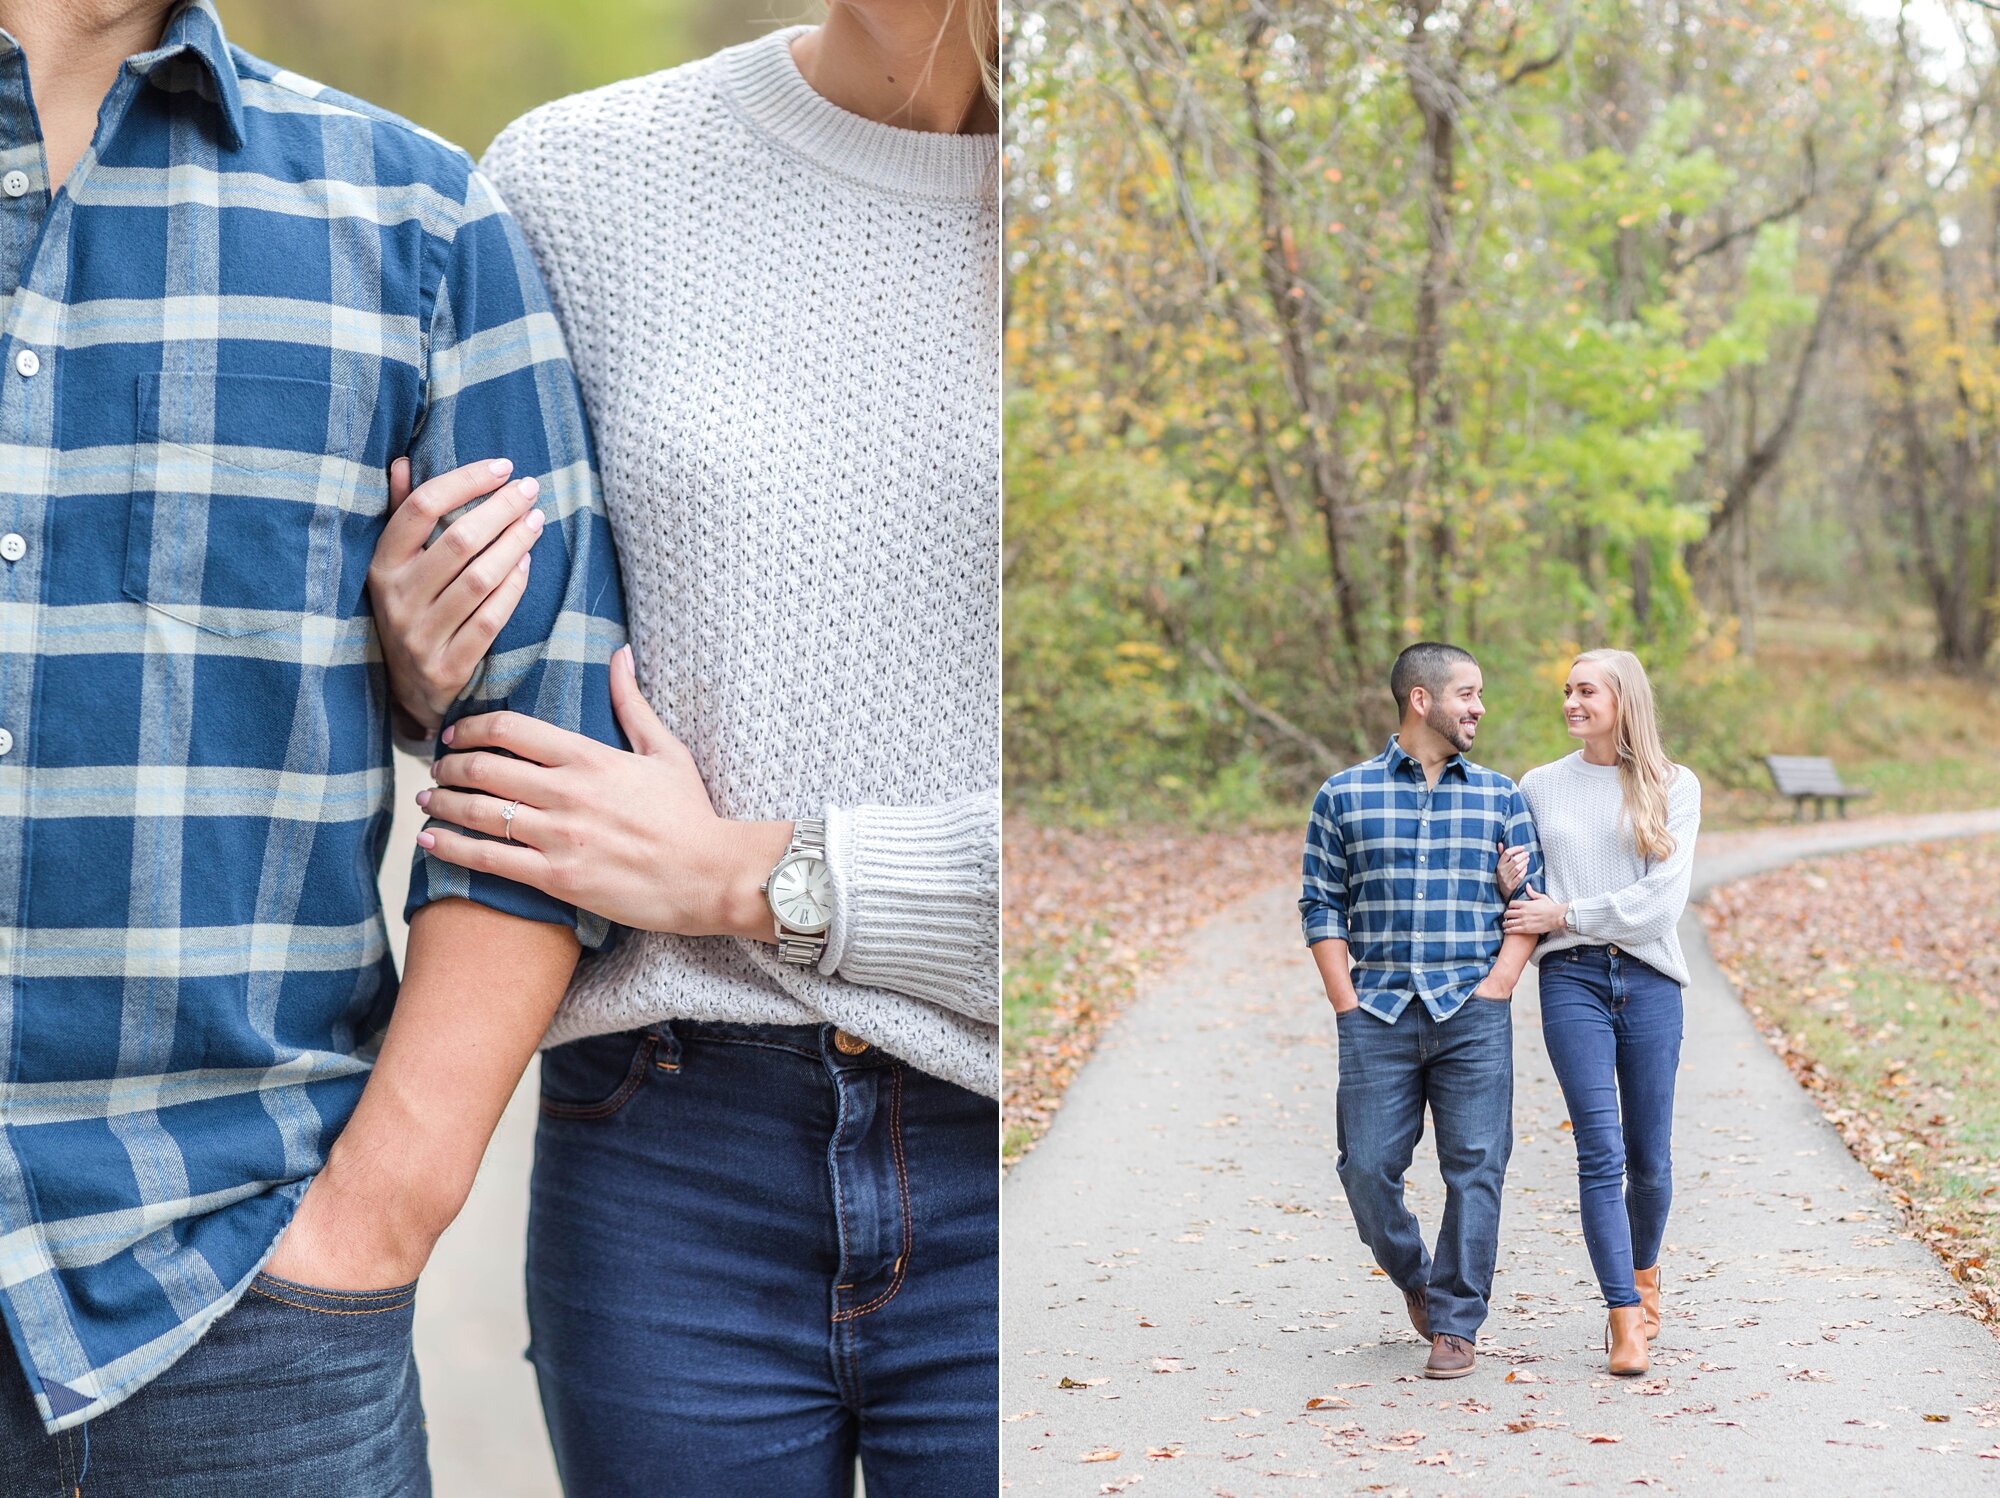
1302, 368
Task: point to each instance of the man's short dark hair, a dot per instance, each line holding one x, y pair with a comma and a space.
1427, 664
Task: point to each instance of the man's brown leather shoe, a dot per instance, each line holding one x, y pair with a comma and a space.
1451, 1357
1648, 1283
1420, 1316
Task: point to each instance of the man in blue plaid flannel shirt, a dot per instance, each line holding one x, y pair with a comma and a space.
227, 1141
1401, 909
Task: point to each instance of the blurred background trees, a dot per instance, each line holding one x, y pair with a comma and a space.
1672, 324
464, 68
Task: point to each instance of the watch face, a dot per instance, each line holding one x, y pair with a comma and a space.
802, 893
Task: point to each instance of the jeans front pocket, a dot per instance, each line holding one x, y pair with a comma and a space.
334, 1302
247, 504
593, 1078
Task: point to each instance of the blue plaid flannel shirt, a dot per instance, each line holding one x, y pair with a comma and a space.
1403, 872
248, 297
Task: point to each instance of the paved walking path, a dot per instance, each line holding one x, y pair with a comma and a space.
1178, 1246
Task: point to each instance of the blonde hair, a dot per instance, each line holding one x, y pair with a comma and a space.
1644, 771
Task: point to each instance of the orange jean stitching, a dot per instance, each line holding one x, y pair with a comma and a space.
323, 1311
903, 1192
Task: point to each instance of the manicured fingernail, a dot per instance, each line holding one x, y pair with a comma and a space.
535, 521
529, 487
500, 467
427, 840
522, 565
424, 799
626, 651
446, 735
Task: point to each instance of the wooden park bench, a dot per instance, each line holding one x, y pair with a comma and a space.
1806, 777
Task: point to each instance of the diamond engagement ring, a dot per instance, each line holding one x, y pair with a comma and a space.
507, 818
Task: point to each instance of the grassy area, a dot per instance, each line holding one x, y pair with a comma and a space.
1885, 1002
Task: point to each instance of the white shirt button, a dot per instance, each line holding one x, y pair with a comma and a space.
13, 547
6, 741
29, 363
15, 183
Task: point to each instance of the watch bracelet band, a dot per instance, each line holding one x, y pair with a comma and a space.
796, 947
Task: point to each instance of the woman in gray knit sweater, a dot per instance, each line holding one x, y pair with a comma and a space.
1617, 823
763, 1237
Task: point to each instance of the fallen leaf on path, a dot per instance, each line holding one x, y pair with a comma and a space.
1102, 1454
1328, 1402
1602, 1438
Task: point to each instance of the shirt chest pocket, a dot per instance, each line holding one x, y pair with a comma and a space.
244, 492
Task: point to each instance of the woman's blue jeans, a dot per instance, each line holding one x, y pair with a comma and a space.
1613, 1029
756, 1252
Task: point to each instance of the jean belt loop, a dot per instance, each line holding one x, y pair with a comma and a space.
668, 1056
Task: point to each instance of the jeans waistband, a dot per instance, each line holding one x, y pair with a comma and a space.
814, 1042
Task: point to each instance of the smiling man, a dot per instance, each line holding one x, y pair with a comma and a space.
228, 1137
1402, 912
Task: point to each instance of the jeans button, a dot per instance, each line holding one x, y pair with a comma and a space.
848, 1045
1614, 951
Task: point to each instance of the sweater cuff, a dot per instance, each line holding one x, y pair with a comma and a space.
1587, 912
916, 901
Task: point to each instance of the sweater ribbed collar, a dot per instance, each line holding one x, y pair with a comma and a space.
772, 95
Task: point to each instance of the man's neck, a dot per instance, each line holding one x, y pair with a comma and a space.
74, 49
1426, 748
907, 65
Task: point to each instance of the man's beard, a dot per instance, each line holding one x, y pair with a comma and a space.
1443, 721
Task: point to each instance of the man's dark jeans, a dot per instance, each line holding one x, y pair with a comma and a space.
293, 1393
756, 1252
1462, 1068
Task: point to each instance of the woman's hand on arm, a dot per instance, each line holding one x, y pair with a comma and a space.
632, 836
1513, 869
439, 607
1535, 914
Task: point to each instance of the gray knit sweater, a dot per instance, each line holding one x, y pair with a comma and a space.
785, 319
1616, 897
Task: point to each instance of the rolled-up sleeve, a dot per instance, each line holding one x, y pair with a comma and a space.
1323, 901
499, 385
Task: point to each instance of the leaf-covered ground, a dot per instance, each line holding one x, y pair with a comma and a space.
1088, 914
1876, 976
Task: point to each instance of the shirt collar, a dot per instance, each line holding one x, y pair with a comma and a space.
196, 29
1396, 756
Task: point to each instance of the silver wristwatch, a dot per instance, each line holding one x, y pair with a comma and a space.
800, 891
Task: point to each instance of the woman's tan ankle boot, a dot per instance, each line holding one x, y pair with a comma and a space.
1648, 1281
1625, 1340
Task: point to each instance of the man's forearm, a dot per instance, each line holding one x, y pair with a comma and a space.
1514, 953
1331, 957
478, 991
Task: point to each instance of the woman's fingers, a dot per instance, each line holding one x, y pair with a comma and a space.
399, 484
486, 814
498, 775
423, 507
517, 733
484, 856
474, 581
466, 540
476, 635
635, 714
